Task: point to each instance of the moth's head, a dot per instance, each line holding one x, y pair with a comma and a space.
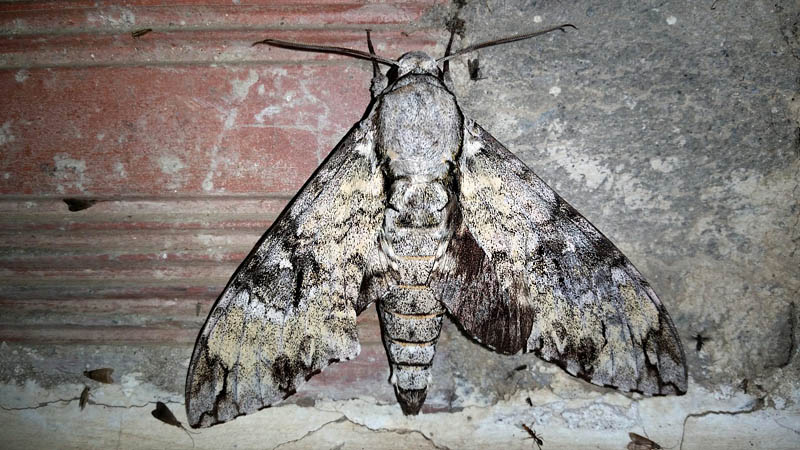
418, 63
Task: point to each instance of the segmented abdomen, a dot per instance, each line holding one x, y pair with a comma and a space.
410, 314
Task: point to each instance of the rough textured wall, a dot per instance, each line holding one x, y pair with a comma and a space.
673, 126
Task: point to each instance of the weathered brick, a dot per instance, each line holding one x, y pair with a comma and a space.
23, 18
147, 131
197, 48
187, 142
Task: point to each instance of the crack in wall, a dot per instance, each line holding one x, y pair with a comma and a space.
311, 432
67, 401
786, 427
759, 404
400, 431
42, 404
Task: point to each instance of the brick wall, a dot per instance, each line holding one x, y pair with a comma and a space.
176, 149
672, 126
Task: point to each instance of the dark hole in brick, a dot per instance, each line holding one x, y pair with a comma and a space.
79, 204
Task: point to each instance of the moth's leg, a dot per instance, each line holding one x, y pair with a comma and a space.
446, 64
454, 25
379, 80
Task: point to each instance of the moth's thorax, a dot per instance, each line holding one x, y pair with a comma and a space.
419, 127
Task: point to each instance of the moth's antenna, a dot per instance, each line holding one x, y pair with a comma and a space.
326, 49
518, 37
372, 55
379, 80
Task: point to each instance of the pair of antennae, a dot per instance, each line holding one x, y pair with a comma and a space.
375, 58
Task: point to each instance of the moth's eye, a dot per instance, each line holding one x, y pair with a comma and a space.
430, 66
417, 62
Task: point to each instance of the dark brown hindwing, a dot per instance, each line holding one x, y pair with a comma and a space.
468, 286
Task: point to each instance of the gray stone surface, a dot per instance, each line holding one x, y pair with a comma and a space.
675, 128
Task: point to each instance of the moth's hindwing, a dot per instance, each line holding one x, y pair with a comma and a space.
290, 309
525, 271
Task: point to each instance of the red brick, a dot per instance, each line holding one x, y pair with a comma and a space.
187, 244
193, 139
20, 18
33, 215
176, 48
83, 334
349, 378
157, 325
145, 131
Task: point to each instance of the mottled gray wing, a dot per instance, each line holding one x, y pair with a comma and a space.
290, 309
525, 271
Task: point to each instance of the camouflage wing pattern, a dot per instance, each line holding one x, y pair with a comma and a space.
525, 271
290, 309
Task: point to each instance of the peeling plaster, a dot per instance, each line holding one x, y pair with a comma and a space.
267, 112
22, 75
170, 164
70, 173
241, 88
119, 170
5, 133
125, 17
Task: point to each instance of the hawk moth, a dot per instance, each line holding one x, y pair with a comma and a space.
423, 212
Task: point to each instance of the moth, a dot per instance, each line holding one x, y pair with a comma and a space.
700, 340
474, 67
421, 211
84, 398
533, 435
102, 375
139, 33
516, 369
639, 442
164, 414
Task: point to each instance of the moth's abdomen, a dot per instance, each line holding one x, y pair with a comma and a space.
410, 314
411, 320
